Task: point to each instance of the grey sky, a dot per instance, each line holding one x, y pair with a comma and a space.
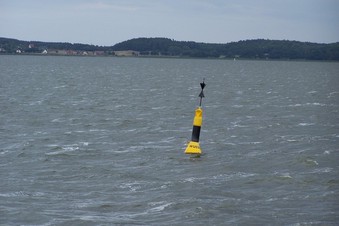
107, 22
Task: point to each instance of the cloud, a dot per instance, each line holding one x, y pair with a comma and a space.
110, 21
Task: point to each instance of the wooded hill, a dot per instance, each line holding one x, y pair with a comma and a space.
9, 45
248, 49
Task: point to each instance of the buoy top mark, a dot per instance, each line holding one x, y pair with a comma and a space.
201, 95
202, 84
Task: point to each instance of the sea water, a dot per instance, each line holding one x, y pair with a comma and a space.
101, 140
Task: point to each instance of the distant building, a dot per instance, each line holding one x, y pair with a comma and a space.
99, 53
71, 52
57, 52
127, 53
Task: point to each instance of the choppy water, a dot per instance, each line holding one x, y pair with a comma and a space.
100, 141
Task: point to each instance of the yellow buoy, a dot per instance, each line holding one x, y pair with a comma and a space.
193, 146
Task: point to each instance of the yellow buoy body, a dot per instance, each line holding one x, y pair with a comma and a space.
193, 146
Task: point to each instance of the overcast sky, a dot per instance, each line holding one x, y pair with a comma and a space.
107, 22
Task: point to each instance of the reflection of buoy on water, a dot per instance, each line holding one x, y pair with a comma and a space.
193, 146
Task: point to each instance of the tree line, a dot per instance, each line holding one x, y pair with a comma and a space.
247, 49
8, 45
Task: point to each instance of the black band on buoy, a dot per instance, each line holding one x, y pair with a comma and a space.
196, 133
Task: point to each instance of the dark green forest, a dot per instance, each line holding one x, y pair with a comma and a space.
249, 49
164, 47
9, 45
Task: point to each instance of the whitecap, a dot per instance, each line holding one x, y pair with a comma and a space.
332, 94
305, 124
190, 179
98, 130
3, 152
284, 175
64, 149
311, 162
84, 143
58, 87
53, 146
316, 104
160, 206
231, 144
158, 108
39, 102
131, 186
251, 142
70, 148
212, 106
22, 194
231, 176
55, 153
57, 120
307, 104
131, 130
323, 170
237, 106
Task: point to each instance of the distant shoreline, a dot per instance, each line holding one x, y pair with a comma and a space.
170, 57
259, 49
